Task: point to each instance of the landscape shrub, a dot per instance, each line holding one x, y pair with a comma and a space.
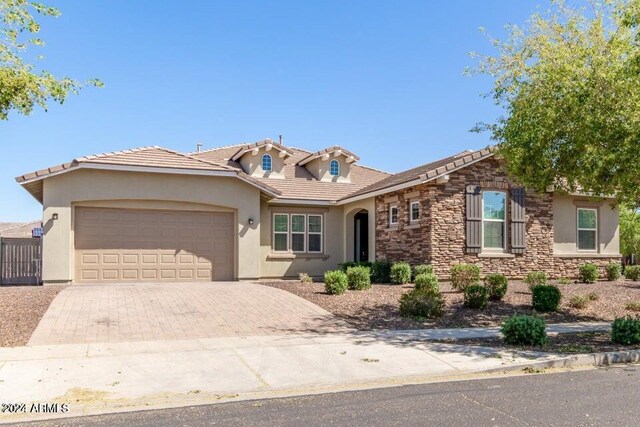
626, 330
632, 272
593, 296
496, 285
632, 306
422, 269
400, 273
427, 282
524, 330
335, 282
359, 278
381, 271
344, 266
579, 301
464, 275
545, 298
613, 270
564, 281
422, 304
476, 296
535, 278
588, 273
305, 278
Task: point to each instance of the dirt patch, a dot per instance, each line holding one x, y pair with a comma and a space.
585, 342
21, 308
377, 308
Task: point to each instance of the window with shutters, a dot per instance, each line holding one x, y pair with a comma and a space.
587, 229
494, 204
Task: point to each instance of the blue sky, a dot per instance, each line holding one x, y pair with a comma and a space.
377, 77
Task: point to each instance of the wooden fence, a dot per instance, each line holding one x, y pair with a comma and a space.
20, 261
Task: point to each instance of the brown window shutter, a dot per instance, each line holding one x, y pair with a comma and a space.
474, 219
517, 221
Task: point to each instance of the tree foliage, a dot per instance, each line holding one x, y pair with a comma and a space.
629, 231
569, 84
22, 85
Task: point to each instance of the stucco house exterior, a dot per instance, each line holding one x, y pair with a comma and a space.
264, 210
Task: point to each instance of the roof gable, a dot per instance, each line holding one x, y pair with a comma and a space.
336, 150
267, 144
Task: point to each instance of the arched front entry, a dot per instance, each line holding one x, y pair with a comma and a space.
361, 236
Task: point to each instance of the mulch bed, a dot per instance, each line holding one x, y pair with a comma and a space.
21, 308
377, 308
586, 342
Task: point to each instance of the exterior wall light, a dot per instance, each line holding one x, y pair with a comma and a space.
54, 216
250, 221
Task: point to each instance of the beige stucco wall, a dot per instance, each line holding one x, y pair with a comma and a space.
252, 164
565, 229
320, 169
145, 190
350, 210
290, 265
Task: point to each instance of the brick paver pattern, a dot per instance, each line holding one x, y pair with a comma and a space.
173, 311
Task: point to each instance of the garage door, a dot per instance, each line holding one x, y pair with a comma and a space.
124, 245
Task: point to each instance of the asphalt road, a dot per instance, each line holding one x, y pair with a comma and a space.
594, 397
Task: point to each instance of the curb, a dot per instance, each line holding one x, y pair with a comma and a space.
590, 359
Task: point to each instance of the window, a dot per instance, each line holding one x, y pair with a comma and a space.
297, 233
266, 162
393, 215
315, 233
587, 229
493, 219
414, 211
280, 232
334, 168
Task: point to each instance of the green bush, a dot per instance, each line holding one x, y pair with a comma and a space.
496, 285
422, 304
335, 282
524, 330
427, 282
579, 301
613, 270
588, 273
626, 330
632, 272
400, 273
344, 266
381, 271
422, 269
545, 298
359, 278
464, 275
476, 296
535, 278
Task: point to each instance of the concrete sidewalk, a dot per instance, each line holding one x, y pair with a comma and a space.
113, 377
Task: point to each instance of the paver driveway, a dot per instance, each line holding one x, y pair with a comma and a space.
167, 311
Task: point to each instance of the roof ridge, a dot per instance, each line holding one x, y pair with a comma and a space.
372, 168
188, 156
113, 153
224, 147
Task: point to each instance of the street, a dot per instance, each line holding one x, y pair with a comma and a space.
592, 397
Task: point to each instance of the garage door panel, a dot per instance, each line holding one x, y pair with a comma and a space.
144, 245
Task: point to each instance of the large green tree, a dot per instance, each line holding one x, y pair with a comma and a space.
22, 84
569, 84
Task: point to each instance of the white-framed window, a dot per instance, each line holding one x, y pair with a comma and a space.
266, 162
393, 215
298, 232
280, 232
587, 229
414, 211
314, 233
334, 168
494, 210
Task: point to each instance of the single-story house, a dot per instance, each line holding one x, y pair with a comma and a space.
264, 210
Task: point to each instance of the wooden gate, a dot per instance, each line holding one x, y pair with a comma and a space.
20, 261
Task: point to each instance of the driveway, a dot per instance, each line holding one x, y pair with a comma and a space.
173, 311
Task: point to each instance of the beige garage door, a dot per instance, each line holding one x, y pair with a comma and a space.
125, 245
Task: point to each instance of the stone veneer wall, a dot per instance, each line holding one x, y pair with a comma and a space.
440, 238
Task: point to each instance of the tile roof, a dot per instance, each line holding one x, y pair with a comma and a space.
18, 229
427, 171
328, 150
248, 147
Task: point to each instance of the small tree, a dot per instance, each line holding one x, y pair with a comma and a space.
629, 231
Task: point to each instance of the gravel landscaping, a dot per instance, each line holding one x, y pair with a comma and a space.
377, 308
586, 342
21, 308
